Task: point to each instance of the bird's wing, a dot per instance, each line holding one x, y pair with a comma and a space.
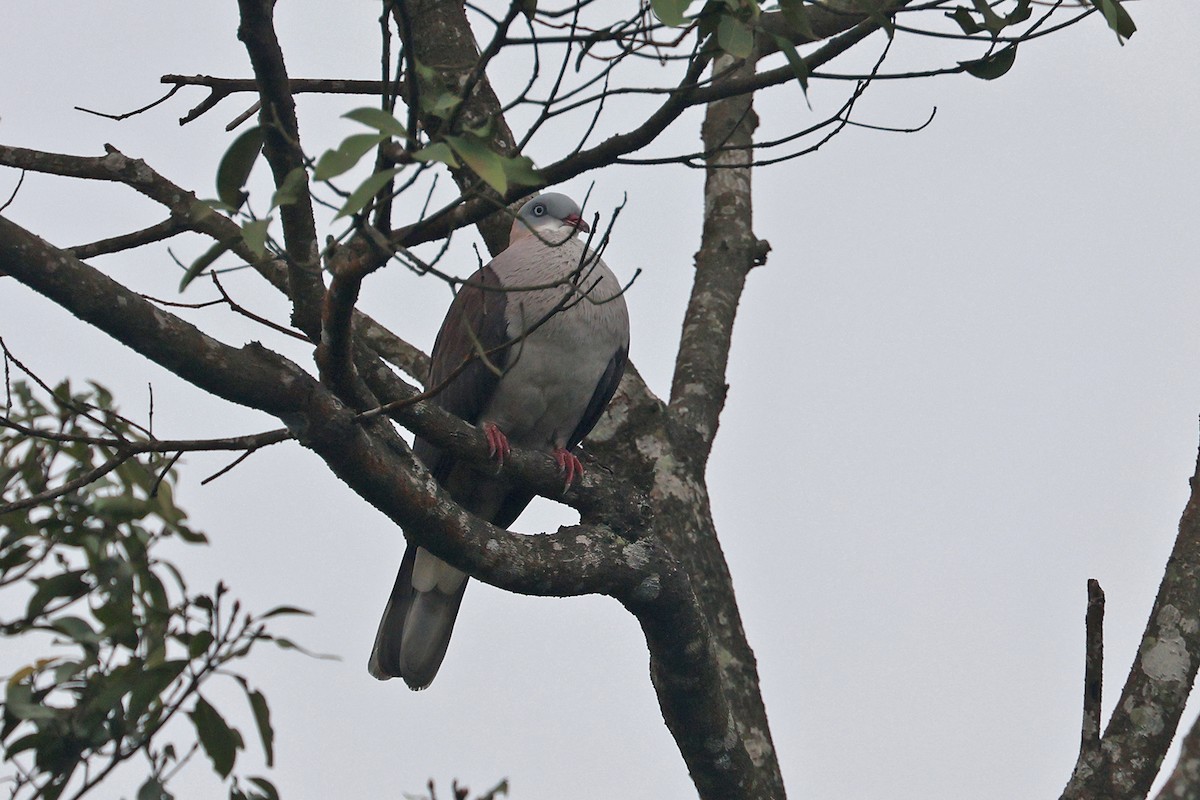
599, 400
474, 324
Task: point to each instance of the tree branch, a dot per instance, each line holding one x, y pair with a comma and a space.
195, 215
1093, 678
728, 251
584, 559
281, 146
155, 233
1155, 693
1184, 781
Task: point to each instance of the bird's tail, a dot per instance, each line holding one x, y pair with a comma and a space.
419, 618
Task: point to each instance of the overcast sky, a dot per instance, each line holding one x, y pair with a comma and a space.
965, 383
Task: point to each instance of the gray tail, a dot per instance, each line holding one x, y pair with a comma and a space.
415, 629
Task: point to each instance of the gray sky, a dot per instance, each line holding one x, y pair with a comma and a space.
964, 384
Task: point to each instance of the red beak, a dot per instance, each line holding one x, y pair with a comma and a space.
576, 222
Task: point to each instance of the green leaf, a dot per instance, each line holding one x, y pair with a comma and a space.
288, 644
885, 21
439, 151
482, 160
796, 16
334, 162
165, 497
219, 741
204, 262
279, 611
1117, 18
199, 643
289, 191
235, 166
254, 234
378, 119
734, 36
67, 584
991, 20
670, 12
19, 703
965, 21
483, 130
1022, 12
798, 65
269, 792
991, 67
520, 172
442, 104
366, 191
67, 670
77, 629
151, 684
262, 718
24, 743
153, 790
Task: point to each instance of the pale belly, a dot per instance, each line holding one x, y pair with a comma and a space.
543, 395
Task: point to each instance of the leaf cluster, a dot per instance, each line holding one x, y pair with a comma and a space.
124, 645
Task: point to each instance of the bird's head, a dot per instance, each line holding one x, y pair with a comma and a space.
551, 215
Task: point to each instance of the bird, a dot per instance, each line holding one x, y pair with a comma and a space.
544, 331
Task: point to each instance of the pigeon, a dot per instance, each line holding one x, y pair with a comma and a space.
544, 332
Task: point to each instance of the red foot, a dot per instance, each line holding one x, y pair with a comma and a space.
497, 442
569, 465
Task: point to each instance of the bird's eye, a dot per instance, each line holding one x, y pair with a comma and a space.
539, 210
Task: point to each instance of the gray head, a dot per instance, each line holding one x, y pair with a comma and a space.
548, 213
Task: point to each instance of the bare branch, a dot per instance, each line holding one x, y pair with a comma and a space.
234, 306
126, 449
1147, 713
281, 146
1093, 676
135, 112
220, 88
155, 233
16, 189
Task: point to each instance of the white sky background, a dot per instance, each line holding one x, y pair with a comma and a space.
964, 384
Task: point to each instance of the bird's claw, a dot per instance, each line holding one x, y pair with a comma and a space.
569, 464
498, 447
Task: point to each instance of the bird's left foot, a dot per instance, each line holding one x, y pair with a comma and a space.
498, 447
569, 464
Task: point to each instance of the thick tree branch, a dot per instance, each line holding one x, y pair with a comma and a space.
1147, 714
728, 251
281, 146
586, 559
250, 376
257, 378
190, 211
438, 35
1184, 782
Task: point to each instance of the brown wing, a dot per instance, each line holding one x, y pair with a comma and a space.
475, 320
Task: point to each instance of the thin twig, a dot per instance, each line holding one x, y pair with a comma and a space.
250, 314
13, 196
135, 112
